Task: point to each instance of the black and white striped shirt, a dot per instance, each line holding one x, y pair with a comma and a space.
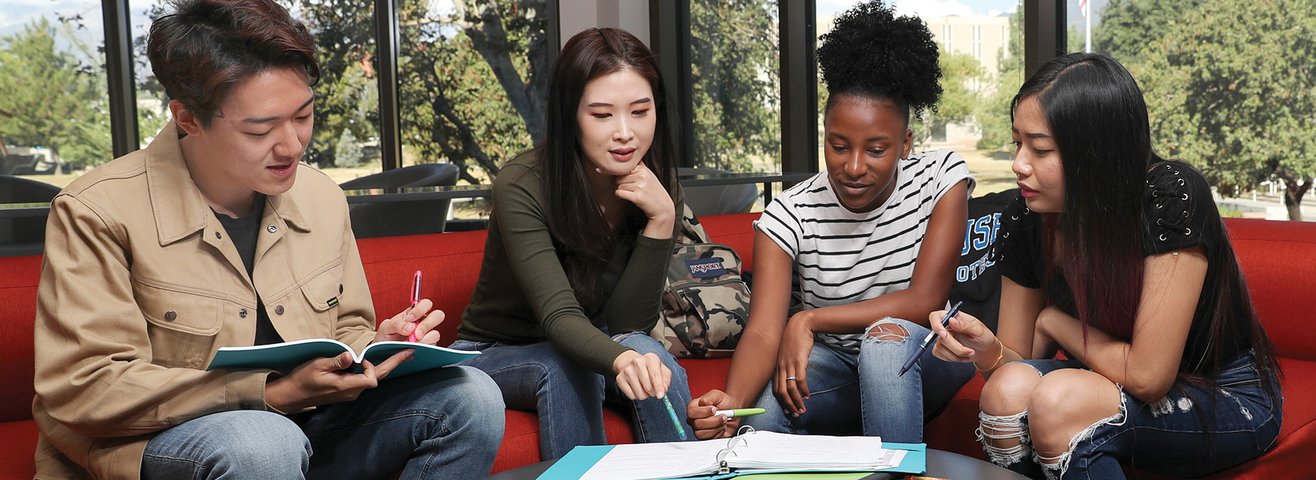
842, 257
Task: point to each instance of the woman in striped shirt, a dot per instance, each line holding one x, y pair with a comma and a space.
850, 263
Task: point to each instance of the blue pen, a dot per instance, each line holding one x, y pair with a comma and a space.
676, 422
928, 340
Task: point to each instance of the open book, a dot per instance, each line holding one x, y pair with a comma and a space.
283, 357
747, 453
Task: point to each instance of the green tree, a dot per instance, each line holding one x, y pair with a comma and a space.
475, 82
1130, 27
958, 99
737, 117
450, 109
348, 149
993, 113
347, 94
52, 98
1235, 94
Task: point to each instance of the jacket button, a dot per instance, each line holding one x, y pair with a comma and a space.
272, 228
242, 313
219, 235
340, 289
278, 309
171, 316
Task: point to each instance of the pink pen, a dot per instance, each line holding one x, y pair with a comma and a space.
415, 298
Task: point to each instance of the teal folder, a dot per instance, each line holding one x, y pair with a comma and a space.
580, 459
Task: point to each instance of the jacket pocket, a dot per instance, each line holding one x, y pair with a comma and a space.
181, 323
311, 307
322, 290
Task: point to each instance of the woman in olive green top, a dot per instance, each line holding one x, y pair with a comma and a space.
579, 241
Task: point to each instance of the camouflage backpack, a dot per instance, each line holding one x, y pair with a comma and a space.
705, 303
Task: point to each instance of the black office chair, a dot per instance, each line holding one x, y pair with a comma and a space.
718, 199
24, 231
382, 219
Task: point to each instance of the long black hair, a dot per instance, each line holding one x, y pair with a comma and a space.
1098, 120
575, 220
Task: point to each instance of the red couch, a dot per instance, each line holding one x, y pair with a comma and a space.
1276, 257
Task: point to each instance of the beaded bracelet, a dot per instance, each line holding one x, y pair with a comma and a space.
998, 359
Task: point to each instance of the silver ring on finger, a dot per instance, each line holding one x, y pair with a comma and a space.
790, 378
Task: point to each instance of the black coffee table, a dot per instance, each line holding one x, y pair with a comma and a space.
940, 464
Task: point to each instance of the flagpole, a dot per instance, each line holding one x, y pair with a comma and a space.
1087, 27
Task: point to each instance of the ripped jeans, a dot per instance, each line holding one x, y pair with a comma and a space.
848, 390
1166, 437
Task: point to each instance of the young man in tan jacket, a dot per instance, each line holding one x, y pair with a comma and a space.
208, 238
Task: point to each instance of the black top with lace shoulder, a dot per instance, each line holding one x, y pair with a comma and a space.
1178, 213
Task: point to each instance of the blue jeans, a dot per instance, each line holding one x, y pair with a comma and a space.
848, 390
445, 423
569, 399
1169, 436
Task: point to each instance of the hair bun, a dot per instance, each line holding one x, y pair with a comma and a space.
872, 52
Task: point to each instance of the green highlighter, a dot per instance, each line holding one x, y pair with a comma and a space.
740, 412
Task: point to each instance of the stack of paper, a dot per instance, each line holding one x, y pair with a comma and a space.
754, 452
772, 451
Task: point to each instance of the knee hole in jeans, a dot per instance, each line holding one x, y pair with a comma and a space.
886, 331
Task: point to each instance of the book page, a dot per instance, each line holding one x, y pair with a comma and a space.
774, 450
657, 460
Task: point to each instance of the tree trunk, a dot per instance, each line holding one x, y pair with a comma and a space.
1293, 192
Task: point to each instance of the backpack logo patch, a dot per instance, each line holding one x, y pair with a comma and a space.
706, 267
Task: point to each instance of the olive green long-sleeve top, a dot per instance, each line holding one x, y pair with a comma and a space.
523, 295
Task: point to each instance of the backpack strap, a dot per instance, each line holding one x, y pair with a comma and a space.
691, 230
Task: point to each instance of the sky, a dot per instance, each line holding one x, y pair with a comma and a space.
930, 8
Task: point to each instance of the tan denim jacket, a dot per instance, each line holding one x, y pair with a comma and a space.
141, 286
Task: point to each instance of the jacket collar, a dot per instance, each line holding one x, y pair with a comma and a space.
176, 202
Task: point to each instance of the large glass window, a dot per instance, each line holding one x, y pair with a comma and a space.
152, 105
54, 105
736, 84
1234, 95
473, 80
981, 57
345, 144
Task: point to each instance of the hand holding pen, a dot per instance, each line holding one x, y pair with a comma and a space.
421, 315
415, 298
913, 358
964, 338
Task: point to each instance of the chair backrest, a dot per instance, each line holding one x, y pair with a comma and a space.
423, 175
382, 219
21, 190
27, 230
718, 199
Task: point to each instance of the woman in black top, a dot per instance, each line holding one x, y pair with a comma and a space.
1119, 258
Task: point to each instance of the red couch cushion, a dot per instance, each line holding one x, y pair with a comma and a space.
450, 263
18, 313
18, 450
1268, 251
735, 231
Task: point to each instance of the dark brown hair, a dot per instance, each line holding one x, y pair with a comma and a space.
575, 221
206, 46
